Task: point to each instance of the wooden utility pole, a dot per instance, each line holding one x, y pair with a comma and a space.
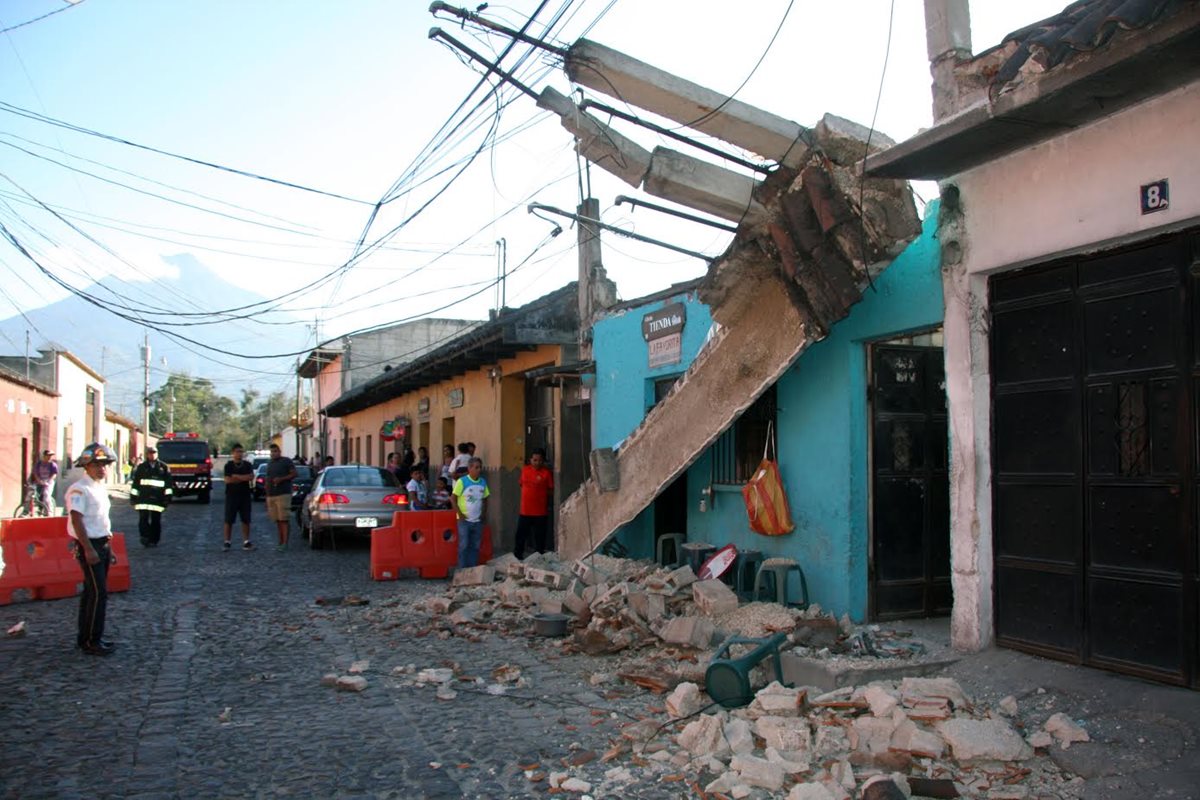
146, 391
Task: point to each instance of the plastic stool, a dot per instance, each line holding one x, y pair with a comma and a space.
777, 569
676, 542
745, 571
696, 553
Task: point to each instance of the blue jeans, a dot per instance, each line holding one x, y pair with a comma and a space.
470, 534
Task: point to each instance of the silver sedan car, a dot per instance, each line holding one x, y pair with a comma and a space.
353, 498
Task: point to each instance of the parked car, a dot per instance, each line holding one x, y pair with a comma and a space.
260, 482
348, 499
302, 484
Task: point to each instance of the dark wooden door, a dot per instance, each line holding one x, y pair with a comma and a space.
1094, 420
910, 541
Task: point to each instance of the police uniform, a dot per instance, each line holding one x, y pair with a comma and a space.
150, 494
89, 498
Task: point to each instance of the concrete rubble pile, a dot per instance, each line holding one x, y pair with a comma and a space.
889, 740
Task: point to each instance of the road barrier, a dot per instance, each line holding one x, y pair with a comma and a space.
39, 561
421, 541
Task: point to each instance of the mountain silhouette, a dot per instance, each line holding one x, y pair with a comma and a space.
112, 345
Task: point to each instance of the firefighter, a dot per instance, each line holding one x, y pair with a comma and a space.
150, 494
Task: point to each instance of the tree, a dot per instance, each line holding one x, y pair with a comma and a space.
185, 403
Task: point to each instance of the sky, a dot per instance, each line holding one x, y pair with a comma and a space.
345, 98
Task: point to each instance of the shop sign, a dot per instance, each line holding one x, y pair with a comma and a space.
456, 398
667, 321
666, 350
423, 405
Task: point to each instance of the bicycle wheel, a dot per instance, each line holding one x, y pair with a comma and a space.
21, 511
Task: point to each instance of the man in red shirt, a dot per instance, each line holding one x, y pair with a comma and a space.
537, 489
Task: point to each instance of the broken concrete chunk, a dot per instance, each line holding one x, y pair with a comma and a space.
809, 791
587, 573
758, 772
918, 741
1008, 706
684, 701
329, 679
785, 733
872, 734
1065, 730
881, 701
694, 632
724, 784
575, 786
845, 141
984, 740
792, 763
739, 735
359, 667
474, 576
1040, 739
501, 563
916, 688
545, 577
714, 598
777, 700
435, 675
351, 683
704, 736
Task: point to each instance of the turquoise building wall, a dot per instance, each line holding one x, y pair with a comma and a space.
822, 423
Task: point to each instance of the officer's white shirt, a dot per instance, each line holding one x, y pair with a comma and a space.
89, 498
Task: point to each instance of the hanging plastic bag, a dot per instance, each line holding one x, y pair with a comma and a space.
766, 502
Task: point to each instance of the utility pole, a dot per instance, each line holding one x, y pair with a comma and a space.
146, 391
590, 269
171, 423
297, 413
501, 273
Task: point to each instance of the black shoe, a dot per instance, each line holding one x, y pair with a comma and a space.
97, 650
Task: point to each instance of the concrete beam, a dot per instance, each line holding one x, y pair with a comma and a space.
947, 28
597, 142
698, 184
619, 76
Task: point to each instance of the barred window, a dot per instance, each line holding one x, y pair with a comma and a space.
737, 453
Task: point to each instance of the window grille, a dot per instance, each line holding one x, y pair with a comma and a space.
738, 451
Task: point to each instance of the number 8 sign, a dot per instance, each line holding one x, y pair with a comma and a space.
1155, 197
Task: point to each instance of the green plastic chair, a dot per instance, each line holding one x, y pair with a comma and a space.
727, 680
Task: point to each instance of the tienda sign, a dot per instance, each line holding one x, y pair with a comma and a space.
666, 321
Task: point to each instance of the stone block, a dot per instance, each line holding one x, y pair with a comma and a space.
758, 772
587, 573
681, 577
351, 683
871, 735
551, 605
515, 570
574, 603
791, 734
591, 594
739, 735
501, 563
810, 791
778, 700
881, 701
984, 740
545, 577
714, 598
694, 632
915, 687
704, 736
474, 576
1065, 730
684, 701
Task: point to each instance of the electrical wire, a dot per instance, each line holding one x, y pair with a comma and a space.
71, 4
33, 115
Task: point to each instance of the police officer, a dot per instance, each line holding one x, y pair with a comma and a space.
87, 521
150, 494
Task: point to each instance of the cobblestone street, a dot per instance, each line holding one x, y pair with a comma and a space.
215, 688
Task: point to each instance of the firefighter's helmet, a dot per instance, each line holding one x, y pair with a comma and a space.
95, 453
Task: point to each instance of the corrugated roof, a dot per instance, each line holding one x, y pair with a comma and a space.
1083, 26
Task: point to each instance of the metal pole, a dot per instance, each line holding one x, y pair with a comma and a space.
470, 16
297, 414
146, 391
438, 33
171, 418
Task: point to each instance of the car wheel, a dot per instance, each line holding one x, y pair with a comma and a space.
314, 536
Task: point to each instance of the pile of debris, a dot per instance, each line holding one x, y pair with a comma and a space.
913, 737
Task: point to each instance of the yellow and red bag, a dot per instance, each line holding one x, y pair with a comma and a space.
766, 502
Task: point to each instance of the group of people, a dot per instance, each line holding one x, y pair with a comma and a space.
88, 507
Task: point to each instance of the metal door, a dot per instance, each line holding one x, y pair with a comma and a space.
910, 543
1094, 422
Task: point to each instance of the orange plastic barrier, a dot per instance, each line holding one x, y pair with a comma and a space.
119, 577
426, 541
39, 560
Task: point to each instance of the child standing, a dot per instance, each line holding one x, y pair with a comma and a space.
418, 491
471, 493
441, 495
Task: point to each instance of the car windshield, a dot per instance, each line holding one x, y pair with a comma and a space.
261, 470
179, 452
341, 477
304, 473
